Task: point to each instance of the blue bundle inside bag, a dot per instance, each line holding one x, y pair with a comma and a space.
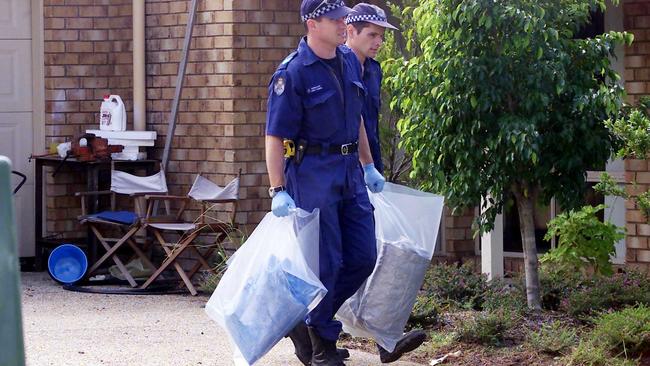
269, 306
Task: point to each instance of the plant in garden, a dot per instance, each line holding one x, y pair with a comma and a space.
584, 241
587, 353
607, 293
502, 99
624, 333
558, 284
501, 295
643, 200
425, 311
455, 285
631, 130
487, 328
553, 338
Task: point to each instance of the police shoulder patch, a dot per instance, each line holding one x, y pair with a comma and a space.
278, 85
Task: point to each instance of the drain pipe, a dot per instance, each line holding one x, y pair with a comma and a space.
139, 75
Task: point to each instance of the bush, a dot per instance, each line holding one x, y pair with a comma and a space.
625, 332
425, 311
501, 295
588, 353
487, 328
455, 285
608, 293
553, 338
210, 280
557, 285
584, 241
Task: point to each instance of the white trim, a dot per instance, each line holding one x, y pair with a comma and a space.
492, 249
38, 72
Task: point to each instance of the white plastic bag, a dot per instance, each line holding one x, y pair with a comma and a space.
269, 285
406, 227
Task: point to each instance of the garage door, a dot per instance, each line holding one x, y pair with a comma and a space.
16, 129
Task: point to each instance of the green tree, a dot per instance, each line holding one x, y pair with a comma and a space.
503, 99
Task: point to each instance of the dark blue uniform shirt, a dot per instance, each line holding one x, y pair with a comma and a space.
371, 106
372, 81
306, 101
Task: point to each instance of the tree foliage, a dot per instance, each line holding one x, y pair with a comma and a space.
584, 241
502, 97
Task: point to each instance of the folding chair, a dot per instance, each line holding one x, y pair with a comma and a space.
207, 194
126, 222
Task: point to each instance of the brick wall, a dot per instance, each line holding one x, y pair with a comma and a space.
87, 54
220, 129
266, 31
236, 46
637, 79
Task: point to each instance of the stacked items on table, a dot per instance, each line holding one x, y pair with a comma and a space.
131, 140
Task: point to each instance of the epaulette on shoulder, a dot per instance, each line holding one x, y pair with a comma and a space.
287, 60
344, 48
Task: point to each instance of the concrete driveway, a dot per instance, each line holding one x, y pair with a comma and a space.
71, 328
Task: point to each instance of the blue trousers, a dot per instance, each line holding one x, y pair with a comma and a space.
348, 252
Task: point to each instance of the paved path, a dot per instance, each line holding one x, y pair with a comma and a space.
78, 329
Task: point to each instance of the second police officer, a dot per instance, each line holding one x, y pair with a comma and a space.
314, 115
366, 27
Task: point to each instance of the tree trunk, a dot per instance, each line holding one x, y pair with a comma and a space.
525, 204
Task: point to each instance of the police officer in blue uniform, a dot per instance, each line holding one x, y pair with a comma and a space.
366, 27
317, 156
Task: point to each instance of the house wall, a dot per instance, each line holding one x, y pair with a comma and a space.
86, 54
236, 46
637, 77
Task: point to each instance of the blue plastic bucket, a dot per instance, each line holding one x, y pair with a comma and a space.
67, 263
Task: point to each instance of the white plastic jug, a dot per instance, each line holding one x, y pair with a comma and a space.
112, 114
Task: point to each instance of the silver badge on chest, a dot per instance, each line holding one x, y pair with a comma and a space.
278, 87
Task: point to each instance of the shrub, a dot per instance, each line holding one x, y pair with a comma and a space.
588, 353
500, 294
438, 340
553, 338
425, 311
584, 241
455, 285
210, 280
487, 328
557, 284
625, 332
604, 293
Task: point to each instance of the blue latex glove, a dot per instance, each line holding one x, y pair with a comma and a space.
374, 180
282, 203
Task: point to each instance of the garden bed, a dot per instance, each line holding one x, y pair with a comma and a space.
586, 320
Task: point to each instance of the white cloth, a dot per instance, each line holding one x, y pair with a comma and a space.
173, 226
125, 183
204, 189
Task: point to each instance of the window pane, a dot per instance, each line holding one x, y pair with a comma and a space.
511, 228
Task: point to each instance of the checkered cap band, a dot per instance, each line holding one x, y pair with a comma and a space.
322, 10
363, 18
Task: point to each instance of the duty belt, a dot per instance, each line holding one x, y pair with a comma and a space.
345, 149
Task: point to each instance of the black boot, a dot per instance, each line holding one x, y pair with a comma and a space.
302, 343
407, 343
300, 338
324, 351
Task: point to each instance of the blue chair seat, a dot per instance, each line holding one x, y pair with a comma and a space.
120, 217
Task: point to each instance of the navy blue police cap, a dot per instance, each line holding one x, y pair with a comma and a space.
363, 12
333, 9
